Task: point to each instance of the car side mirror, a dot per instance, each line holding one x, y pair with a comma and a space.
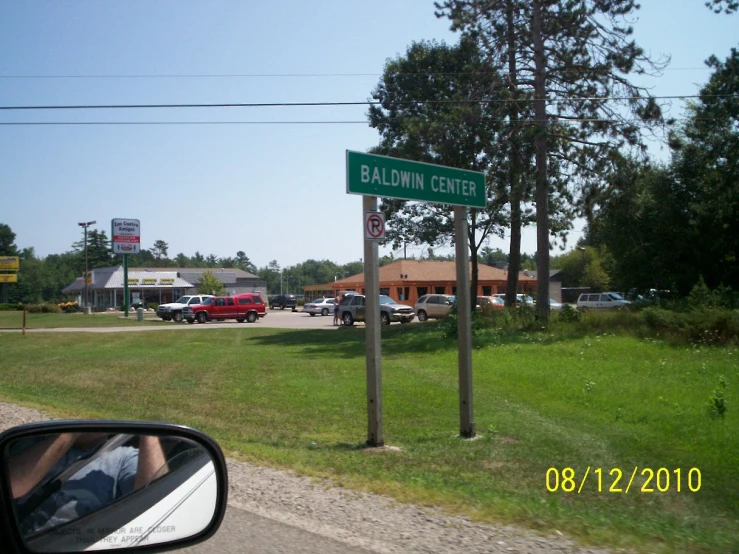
71, 486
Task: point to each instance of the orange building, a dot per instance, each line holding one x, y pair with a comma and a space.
407, 280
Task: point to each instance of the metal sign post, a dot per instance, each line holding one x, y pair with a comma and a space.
126, 300
126, 239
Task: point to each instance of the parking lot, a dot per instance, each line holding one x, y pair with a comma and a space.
281, 319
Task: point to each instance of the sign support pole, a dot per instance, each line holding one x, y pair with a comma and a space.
125, 284
464, 323
372, 333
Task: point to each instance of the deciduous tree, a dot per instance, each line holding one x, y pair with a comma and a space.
7, 241
431, 109
210, 284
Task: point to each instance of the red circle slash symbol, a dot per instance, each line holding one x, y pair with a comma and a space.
374, 226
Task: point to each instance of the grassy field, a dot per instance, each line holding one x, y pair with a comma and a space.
296, 399
13, 319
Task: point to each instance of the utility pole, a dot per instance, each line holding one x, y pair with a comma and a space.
85, 226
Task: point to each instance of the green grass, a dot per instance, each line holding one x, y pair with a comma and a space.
542, 400
13, 319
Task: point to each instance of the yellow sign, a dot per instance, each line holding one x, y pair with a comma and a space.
166, 281
150, 281
133, 281
8, 277
10, 263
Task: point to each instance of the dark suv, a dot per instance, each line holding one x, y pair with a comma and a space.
284, 301
352, 308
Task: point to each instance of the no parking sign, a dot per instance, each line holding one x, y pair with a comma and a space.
374, 226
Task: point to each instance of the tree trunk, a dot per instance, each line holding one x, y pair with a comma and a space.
516, 193
540, 143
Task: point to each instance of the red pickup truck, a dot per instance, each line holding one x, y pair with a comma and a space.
241, 307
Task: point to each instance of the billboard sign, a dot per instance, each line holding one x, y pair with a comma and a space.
10, 263
126, 235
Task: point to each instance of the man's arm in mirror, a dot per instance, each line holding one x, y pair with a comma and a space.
28, 467
151, 460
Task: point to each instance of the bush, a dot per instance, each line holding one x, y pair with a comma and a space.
152, 306
11, 307
43, 309
449, 324
700, 325
569, 314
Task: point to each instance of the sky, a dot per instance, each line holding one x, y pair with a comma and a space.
194, 178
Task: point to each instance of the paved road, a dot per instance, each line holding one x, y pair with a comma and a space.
243, 531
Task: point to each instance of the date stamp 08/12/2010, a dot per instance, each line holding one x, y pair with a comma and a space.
616, 481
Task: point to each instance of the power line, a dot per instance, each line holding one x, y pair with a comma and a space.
310, 122
358, 103
265, 75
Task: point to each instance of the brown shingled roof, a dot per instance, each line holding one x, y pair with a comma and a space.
430, 270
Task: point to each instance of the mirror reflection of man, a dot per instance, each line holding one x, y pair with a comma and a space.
43, 502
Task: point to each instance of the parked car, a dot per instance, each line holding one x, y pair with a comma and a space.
554, 305
352, 308
173, 310
489, 304
242, 307
520, 299
322, 306
602, 301
283, 301
434, 306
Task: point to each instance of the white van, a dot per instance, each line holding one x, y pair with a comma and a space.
601, 300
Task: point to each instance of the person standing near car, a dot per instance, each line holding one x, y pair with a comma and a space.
336, 311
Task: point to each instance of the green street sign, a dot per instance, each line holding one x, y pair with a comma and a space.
372, 175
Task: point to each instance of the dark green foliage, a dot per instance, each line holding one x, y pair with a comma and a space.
10, 307
569, 314
682, 218
717, 402
7, 241
460, 126
699, 326
571, 56
210, 284
449, 325
43, 309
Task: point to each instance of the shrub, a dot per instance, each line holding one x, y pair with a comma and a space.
43, 309
569, 314
717, 402
11, 307
448, 325
701, 325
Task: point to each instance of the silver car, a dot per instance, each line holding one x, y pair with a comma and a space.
434, 306
320, 306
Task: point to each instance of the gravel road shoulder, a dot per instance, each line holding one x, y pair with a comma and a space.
372, 522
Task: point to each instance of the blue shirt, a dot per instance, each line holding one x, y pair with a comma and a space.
93, 487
